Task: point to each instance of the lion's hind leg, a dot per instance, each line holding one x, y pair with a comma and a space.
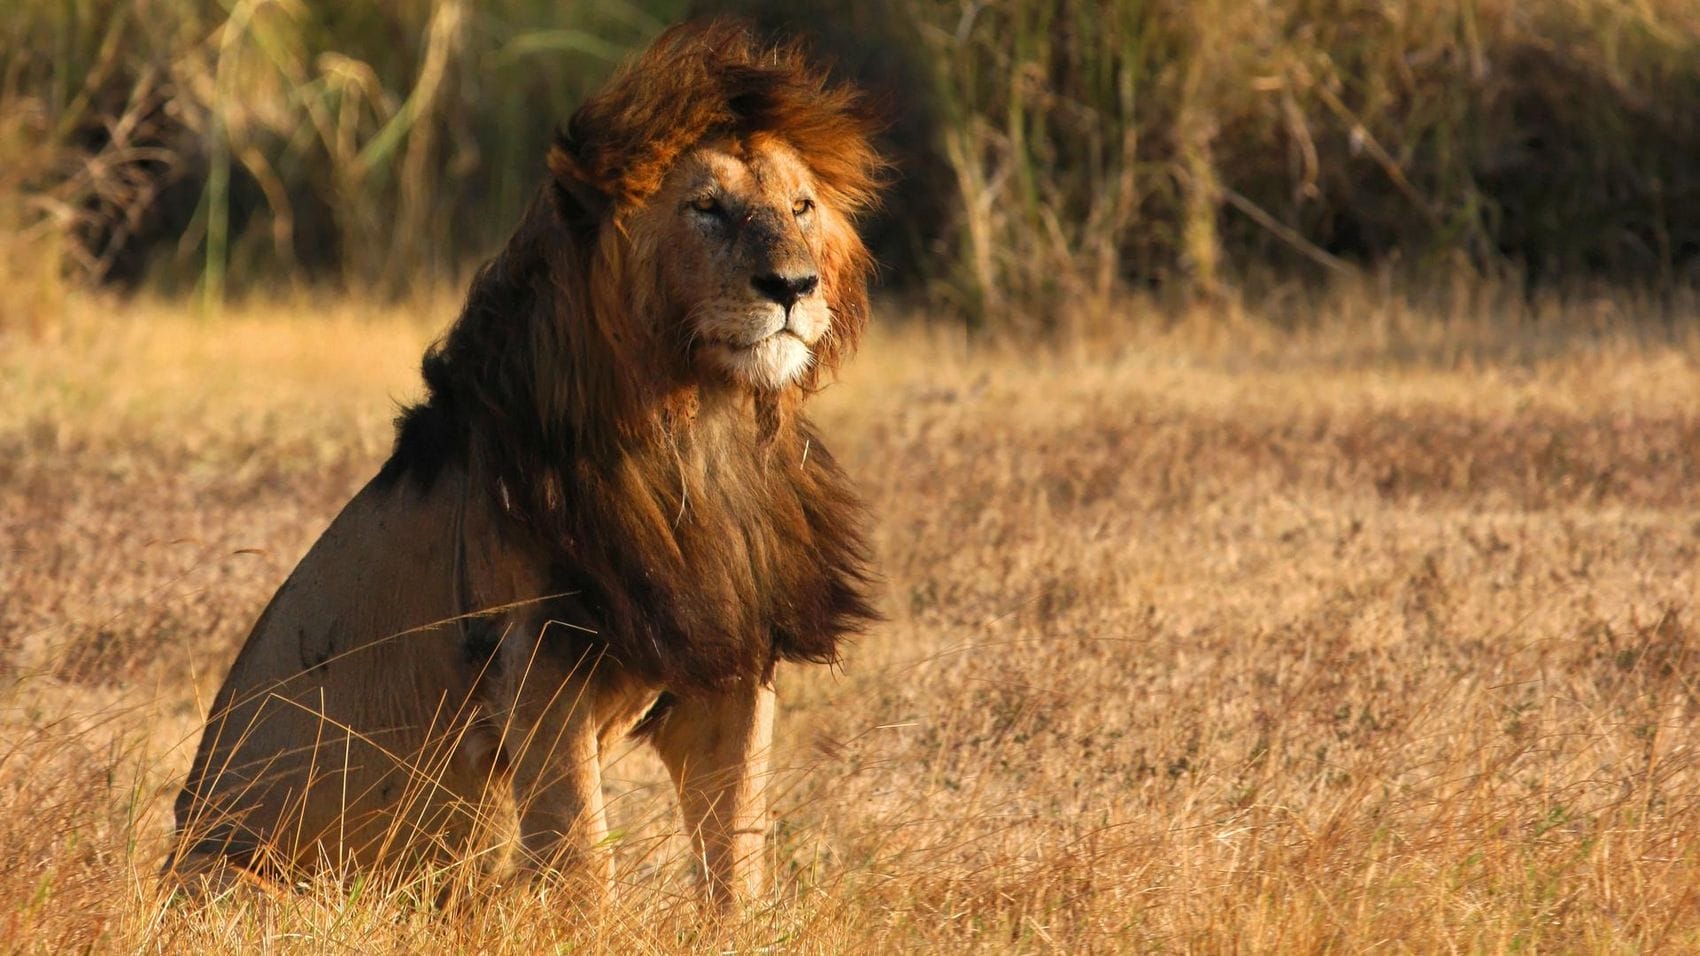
211, 862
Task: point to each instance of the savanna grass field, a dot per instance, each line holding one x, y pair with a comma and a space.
1196, 641
1287, 509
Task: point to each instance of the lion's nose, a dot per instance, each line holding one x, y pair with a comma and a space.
785, 289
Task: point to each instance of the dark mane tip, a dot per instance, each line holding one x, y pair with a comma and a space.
425, 441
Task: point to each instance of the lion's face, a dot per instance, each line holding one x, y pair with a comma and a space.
739, 238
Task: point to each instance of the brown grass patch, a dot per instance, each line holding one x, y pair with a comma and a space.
1192, 646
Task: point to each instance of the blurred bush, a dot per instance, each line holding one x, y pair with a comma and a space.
1054, 152
178, 141
1098, 142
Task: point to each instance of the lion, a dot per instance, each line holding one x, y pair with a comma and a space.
608, 517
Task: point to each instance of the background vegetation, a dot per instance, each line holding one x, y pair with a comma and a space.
1055, 153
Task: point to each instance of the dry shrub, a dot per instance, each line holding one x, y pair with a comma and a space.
1058, 153
187, 141
1097, 144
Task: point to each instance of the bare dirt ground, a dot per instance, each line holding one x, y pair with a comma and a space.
1194, 643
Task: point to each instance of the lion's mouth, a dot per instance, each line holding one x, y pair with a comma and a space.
775, 336
754, 349
772, 336
770, 361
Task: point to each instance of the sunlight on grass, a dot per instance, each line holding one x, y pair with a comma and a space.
1196, 640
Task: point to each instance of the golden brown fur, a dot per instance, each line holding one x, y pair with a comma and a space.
608, 508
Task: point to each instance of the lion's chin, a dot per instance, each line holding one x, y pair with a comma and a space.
770, 364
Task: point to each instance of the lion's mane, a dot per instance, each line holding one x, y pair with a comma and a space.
699, 544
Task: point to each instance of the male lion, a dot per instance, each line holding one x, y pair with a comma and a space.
608, 517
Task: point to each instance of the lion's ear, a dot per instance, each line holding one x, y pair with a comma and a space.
578, 202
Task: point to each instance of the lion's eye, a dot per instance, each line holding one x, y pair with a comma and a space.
707, 205
802, 207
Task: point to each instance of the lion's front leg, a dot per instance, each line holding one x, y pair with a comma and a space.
557, 778
716, 748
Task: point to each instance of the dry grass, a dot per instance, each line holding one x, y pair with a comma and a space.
1203, 638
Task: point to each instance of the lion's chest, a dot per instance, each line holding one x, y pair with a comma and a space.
702, 565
